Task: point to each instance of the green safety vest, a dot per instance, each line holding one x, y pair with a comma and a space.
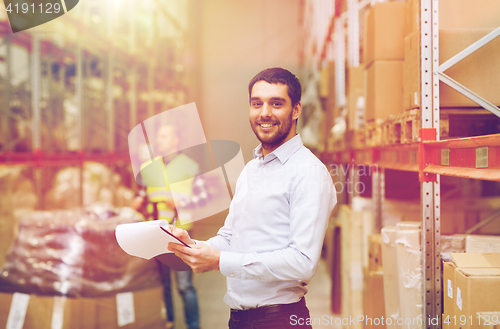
182, 170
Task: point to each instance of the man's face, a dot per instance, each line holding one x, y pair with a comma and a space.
166, 140
271, 114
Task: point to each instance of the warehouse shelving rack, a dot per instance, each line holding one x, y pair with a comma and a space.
472, 157
94, 46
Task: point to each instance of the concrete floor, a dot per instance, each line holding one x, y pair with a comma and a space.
211, 287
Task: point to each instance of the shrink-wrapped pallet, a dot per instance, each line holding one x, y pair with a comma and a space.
409, 254
451, 243
74, 253
390, 269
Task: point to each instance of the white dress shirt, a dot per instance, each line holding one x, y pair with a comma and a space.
271, 240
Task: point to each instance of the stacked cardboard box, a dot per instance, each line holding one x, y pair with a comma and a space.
333, 255
138, 309
327, 93
356, 97
352, 268
456, 14
477, 72
482, 243
458, 29
383, 59
374, 253
488, 320
456, 216
471, 285
356, 225
374, 286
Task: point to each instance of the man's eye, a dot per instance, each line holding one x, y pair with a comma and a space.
277, 104
256, 104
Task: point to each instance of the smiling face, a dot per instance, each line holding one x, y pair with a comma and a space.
272, 115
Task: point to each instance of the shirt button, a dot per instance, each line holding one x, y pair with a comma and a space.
251, 188
232, 275
229, 289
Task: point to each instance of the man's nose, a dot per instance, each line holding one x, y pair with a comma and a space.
266, 110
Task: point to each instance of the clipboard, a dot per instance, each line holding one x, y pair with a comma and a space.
148, 240
173, 236
171, 260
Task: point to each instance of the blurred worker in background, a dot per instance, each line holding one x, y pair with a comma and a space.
270, 244
159, 204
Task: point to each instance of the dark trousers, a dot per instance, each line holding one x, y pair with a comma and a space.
187, 292
284, 316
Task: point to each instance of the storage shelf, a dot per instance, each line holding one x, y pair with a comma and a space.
462, 160
39, 159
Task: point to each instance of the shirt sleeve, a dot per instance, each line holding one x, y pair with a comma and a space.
312, 198
223, 238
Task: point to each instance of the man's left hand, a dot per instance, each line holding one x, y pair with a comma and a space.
200, 257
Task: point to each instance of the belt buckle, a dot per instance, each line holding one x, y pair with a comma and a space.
235, 316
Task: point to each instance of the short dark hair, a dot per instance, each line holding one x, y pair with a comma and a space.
282, 76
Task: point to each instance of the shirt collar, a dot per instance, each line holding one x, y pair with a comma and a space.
283, 152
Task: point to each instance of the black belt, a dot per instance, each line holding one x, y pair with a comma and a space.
260, 312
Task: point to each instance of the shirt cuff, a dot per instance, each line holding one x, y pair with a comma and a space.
230, 264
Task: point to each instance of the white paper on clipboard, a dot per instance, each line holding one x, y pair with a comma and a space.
144, 239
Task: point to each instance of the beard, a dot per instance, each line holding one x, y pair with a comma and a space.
274, 138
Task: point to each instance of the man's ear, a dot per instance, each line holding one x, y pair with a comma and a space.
297, 110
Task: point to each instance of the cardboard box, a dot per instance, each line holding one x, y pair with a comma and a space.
384, 28
329, 102
384, 89
482, 243
352, 263
488, 320
46, 312
479, 72
355, 224
375, 253
324, 82
477, 280
411, 72
449, 293
355, 91
455, 14
374, 300
412, 17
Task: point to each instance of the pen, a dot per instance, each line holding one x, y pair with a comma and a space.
175, 220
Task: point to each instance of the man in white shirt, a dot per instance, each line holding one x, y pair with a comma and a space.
270, 244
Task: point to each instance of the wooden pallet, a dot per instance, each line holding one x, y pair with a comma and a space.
373, 134
356, 139
404, 128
